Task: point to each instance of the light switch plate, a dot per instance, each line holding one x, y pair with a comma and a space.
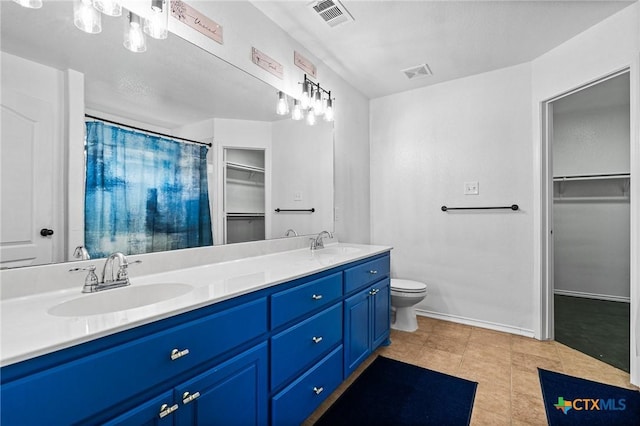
471, 188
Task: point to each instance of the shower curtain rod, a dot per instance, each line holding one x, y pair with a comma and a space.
148, 131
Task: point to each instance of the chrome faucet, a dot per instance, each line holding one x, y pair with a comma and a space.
318, 242
81, 253
291, 231
121, 279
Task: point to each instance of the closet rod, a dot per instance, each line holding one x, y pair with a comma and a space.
311, 210
513, 207
147, 131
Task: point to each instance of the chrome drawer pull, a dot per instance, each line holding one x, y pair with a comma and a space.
175, 354
316, 297
373, 272
316, 339
317, 390
374, 291
165, 410
187, 398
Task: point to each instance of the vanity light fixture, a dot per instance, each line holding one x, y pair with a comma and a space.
316, 101
108, 7
86, 17
31, 4
298, 113
156, 25
134, 39
311, 117
282, 108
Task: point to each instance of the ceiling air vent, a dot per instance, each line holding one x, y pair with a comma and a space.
332, 12
417, 72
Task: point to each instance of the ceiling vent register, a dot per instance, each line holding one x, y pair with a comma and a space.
332, 12
417, 71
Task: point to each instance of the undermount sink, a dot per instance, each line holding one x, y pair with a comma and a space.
333, 251
119, 299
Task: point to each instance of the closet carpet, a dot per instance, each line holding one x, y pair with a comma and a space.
598, 328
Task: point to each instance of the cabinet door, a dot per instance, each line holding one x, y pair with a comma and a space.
159, 411
381, 313
357, 343
233, 393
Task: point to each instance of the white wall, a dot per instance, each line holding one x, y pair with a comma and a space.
245, 26
425, 144
302, 176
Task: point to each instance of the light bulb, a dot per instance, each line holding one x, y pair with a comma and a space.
305, 99
282, 107
108, 7
297, 113
157, 23
317, 102
311, 117
86, 17
134, 39
31, 4
328, 111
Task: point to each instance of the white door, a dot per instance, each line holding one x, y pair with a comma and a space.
26, 181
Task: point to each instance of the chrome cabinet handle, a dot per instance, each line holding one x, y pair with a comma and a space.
316, 339
165, 410
317, 390
316, 297
176, 353
187, 397
373, 272
374, 291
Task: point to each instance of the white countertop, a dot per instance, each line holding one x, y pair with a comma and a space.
28, 330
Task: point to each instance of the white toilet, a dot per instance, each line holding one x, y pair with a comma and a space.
404, 295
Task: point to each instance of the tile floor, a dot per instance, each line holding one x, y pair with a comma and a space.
504, 365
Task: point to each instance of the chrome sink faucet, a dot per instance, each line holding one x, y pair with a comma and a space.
121, 279
318, 242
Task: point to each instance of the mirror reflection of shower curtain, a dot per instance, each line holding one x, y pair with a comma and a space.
144, 193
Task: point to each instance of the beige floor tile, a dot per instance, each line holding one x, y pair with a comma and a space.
527, 409
481, 417
531, 363
477, 350
490, 338
545, 349
485, 371
453, 343
493, 398
437, 360
526, 382
400, 351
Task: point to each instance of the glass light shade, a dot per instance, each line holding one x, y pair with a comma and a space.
86, 17
31, 4
328, 111
297, 113
108, 7
317, 102
282, 108
311, 117
305, 99
157, 23
134, 39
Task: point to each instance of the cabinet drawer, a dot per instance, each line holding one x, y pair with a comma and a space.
108, 377
295, 302
367, 273
298, 400
297, 346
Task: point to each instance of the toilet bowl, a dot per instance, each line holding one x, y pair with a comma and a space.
405, 294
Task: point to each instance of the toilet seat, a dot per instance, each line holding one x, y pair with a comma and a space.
407, 286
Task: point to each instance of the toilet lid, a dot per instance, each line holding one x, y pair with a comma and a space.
407, 286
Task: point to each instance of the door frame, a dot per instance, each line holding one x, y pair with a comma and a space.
546, 317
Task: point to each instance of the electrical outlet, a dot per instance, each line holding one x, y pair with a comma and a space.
297, 196
336, 214
471, 188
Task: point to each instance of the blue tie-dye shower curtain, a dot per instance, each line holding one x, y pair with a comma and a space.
144, 193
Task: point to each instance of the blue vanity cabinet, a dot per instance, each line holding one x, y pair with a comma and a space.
366, 311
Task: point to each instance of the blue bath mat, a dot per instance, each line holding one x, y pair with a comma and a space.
391, 392
573, 401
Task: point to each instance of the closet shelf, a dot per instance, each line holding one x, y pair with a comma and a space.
245, 214
592, 177
244, 167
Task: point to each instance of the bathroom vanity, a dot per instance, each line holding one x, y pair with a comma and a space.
262, 340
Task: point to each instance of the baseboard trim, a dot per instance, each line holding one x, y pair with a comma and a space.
476, 323
592, 295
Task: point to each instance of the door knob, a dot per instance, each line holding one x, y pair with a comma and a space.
46, 232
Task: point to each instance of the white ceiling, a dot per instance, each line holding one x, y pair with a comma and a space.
455, 38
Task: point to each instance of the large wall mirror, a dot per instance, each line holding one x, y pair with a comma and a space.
53, 74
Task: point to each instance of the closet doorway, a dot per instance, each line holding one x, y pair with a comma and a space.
589, 156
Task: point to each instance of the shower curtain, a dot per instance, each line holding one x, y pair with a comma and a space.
144, 193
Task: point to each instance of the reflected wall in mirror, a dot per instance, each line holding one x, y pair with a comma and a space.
54, 76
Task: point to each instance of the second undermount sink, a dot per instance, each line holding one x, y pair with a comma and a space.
119, 299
